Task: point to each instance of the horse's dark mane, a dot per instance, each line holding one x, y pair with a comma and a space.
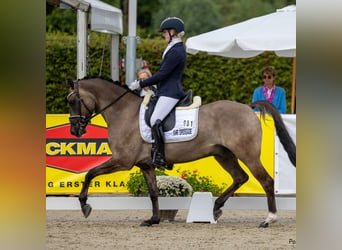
117, 83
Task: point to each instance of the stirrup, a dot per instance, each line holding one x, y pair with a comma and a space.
159, 162
162, 167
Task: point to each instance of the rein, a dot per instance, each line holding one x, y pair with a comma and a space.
86, 119
110, 104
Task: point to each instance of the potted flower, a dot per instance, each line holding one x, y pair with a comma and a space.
168, 186
136, 184
172, 186
201, 183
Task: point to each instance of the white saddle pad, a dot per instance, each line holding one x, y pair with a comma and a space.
186, 126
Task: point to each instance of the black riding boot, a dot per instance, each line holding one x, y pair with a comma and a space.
158, 155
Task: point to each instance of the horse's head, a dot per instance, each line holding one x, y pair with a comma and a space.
85, 98
81, 109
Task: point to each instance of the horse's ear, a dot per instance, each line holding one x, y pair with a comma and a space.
71, 83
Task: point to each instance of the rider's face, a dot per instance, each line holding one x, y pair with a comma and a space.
166, 34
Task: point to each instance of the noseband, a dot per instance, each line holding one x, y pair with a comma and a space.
84, 119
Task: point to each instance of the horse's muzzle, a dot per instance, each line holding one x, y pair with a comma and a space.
77, 130
77, 126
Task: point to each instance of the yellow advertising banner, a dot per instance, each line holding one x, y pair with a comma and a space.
69, 158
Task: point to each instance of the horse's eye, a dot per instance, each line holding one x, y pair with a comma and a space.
71, 101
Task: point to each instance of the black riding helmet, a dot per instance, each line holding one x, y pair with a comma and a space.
172, 23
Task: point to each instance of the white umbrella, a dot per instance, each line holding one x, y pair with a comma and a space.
273, 32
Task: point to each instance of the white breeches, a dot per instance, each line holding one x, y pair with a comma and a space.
163, 107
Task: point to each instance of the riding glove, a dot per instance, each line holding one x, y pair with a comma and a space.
134, 85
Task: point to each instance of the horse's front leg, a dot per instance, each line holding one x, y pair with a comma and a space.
150, 178
104, 168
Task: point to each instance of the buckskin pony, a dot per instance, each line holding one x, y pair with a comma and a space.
227, 130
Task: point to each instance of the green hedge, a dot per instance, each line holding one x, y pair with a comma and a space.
212, 77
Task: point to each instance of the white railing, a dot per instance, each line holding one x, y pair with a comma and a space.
137, 203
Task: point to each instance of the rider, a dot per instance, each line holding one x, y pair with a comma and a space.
168, 80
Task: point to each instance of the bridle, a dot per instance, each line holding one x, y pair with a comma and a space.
84, 119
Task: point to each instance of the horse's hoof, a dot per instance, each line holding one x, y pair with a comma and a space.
217, 214
264, 224
148, 223
86, 210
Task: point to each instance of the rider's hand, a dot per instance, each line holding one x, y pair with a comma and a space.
134, 85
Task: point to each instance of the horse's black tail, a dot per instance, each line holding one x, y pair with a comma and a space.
284, 137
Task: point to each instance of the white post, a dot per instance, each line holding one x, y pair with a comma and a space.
201, 208
81, 43
131, 42
114, 58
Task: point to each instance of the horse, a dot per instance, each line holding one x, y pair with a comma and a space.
227, 130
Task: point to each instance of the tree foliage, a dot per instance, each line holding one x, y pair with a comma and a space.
198, 16
61, 20
240, 10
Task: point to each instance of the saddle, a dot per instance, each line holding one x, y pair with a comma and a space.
168, 123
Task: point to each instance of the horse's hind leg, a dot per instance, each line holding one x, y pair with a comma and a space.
104, 168
230, 163
267, 184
